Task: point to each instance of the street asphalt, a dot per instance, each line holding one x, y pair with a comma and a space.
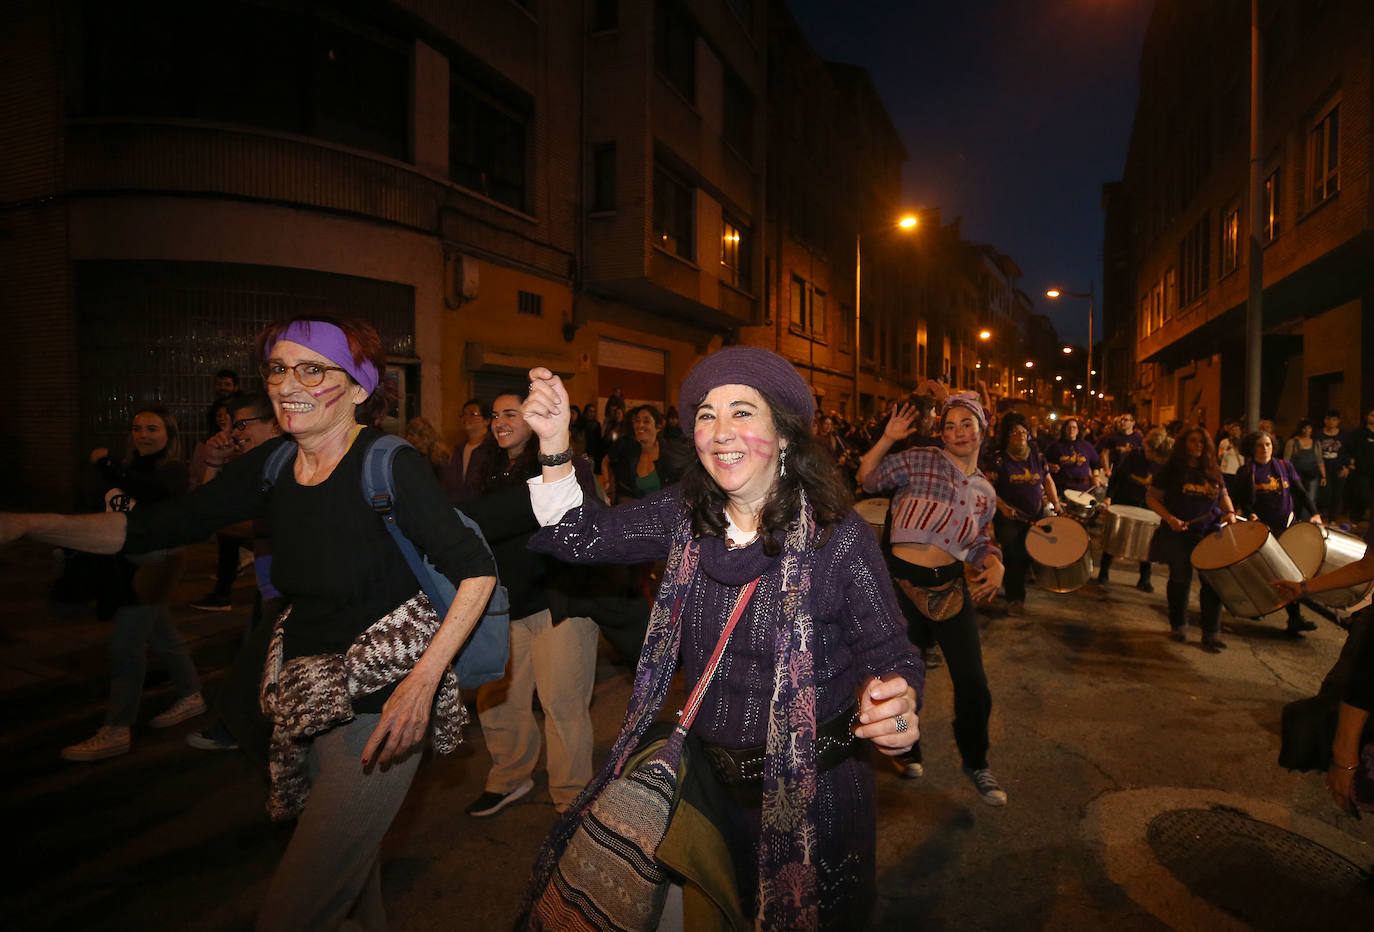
1142, 776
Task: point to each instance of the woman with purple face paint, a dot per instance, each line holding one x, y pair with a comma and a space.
360, 668
943, 559
819, 658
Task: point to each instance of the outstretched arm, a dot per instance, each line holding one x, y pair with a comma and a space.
103, 532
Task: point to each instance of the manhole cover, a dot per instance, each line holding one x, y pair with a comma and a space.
1264, 875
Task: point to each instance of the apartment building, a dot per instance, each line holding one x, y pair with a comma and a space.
1178, 222
494, 184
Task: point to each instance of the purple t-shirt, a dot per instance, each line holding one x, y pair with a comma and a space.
1076, 460
1192, 497
1019, 483
1119, 445
1271, 501
1131, 479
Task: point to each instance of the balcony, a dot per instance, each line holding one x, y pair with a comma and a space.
169, 157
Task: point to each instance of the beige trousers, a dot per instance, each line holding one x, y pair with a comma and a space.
558, 660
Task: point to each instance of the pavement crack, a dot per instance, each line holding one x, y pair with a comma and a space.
1279, 678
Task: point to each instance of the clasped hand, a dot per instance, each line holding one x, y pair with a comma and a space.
882, 703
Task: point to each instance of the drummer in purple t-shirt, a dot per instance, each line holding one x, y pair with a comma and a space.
1267, 490
1022, 480
1073, 460
1190, 497
1130, 482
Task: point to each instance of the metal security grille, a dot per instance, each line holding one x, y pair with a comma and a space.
156, 332
1264, 875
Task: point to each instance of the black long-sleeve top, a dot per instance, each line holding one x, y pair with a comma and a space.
332, 556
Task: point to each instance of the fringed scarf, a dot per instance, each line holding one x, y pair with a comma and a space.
308, 696
788, 892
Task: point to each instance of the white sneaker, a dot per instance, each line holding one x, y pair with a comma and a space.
109, 741
184, 708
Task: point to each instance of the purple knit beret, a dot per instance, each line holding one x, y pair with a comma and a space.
754, 366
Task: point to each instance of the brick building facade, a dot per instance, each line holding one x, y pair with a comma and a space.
1178, 222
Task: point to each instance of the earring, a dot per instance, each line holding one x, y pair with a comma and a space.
782, 463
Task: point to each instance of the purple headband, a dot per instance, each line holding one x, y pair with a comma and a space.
968, 400
331, 343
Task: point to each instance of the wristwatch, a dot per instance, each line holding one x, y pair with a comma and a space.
556, 459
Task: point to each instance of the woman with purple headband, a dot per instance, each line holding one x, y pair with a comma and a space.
360, 668
819, 658
942, 559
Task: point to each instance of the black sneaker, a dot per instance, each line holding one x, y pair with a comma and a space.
489, 803
1145, 586
1178, 634
1213, 645
989, 790
212, 602
1301, 625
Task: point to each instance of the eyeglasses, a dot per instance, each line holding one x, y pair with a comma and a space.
309, 374
243, 422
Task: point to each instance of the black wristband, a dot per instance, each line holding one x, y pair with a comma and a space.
556, 459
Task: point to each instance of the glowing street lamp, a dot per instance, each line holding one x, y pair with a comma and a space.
1030, 364
985, 334
1068, 351
1054, 293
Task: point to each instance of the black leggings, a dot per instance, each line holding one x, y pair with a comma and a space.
1176, 549
958, 640
1011, 534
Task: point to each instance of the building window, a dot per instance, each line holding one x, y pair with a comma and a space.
247, 64
531, 304
1324, 155
1143, 318
736, 256
1194, 258
675, 47
603, 177
487, 144
1230, 240
1157, 306
737, 118
796, 316
674, 214
818, 309
1271, 207
605, 15
1170, 292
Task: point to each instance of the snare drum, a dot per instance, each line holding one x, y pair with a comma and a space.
1060, 551
874, 511
1316, 550
1078, 504
1127, 531
1242, 562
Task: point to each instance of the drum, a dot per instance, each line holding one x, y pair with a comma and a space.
1127, 531
1081, 505
1060, 551
1316, 550
1242, 562
874, 511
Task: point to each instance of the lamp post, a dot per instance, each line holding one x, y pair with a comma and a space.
907, 222
1054, 293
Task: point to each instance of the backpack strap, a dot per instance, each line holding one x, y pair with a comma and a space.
379, 489
278, 460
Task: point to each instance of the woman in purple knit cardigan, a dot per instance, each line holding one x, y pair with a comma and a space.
819, 665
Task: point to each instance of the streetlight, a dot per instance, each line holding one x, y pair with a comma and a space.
985, 334
1068, 351
1055, 293
907, 222
1030, 364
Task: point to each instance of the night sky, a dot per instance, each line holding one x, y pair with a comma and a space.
1013, 112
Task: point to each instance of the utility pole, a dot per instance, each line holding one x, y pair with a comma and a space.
1254, 303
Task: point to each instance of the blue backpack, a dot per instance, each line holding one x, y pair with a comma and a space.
482, 659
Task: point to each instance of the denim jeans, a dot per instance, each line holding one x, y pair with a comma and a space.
136, 628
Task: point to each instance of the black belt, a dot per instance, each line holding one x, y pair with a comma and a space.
742, 766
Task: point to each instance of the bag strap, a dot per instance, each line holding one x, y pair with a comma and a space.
689, 711
379, 489
277, 460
